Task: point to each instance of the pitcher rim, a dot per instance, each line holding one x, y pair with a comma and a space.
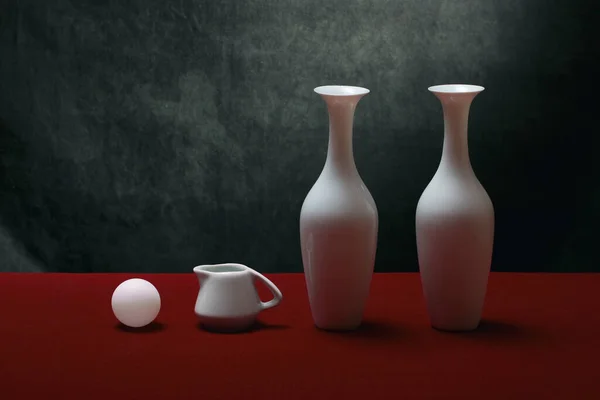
241, 268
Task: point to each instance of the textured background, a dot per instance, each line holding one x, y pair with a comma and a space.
157, 135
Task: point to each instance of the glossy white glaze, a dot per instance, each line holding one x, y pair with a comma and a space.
455, 224
227, 299
338, 223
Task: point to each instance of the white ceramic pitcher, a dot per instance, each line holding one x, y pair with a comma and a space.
228, 300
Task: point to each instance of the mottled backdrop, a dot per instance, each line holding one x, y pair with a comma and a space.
157, 135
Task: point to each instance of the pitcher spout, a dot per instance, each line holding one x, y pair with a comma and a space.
201, 273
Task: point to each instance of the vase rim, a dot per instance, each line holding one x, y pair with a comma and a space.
341, 90
456, 88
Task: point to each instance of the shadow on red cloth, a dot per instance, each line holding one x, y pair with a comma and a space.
258, 326
493, 330
498, 329
371, 330
152, 327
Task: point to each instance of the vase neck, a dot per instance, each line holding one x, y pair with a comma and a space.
455, 153
340, 157
456, 102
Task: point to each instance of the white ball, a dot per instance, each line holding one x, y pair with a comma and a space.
135, 302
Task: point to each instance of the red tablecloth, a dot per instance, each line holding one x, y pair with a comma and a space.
60, 340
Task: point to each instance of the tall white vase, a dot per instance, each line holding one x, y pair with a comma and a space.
455, 224
338, 224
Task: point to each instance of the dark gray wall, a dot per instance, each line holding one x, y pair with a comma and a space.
157, 135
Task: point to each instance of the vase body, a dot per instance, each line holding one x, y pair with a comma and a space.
338, 224
455, 224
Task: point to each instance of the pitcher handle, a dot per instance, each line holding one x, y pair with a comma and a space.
277, 296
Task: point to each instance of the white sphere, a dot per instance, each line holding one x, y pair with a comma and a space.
135, 302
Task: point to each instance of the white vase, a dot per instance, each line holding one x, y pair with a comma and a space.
338, 224
455, 224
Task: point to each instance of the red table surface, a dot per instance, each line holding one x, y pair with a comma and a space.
59, 340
